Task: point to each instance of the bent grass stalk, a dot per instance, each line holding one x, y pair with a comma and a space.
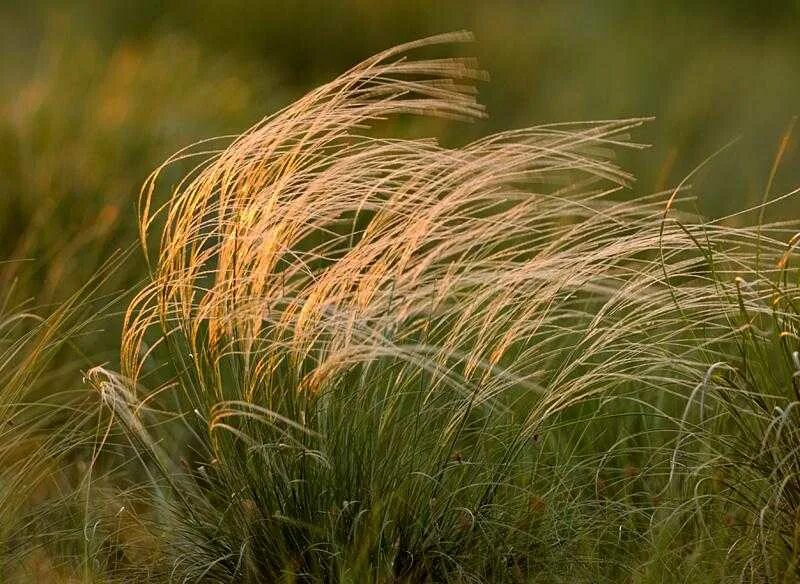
319, 295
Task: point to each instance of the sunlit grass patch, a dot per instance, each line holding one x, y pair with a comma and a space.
364, 359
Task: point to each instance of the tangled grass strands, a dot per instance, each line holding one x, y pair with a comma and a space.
368, 331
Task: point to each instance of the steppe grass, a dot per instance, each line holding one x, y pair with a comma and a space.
365, 359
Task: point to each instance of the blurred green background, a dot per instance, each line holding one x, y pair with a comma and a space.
93, 95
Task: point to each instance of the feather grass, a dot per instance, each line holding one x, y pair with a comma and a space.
362, 359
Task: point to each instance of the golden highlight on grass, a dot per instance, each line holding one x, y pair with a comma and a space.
319, 295
309, 244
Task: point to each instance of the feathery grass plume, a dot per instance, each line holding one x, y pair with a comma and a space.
306, 235
367, 334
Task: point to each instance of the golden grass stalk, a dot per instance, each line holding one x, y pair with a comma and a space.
309, 245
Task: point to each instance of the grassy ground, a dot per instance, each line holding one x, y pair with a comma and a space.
353, 358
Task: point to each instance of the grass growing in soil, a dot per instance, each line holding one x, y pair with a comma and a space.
366, 359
